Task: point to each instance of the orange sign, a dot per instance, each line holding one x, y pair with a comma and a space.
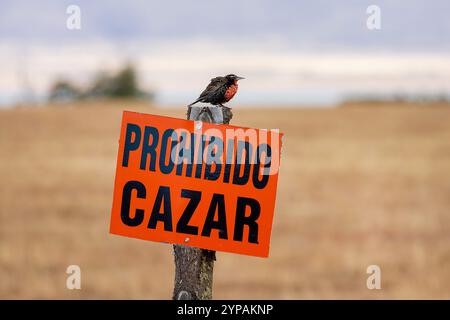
198, 184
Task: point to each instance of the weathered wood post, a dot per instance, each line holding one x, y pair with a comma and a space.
194, 266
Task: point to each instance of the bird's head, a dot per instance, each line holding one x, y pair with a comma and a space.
233, 79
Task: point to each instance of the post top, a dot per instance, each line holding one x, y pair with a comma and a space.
210, 113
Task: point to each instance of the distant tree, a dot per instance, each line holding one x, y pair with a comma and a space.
123, 84
64, 91
102, 86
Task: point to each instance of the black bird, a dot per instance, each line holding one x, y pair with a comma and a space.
219, 90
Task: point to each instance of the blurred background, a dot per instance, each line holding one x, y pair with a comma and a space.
360, 89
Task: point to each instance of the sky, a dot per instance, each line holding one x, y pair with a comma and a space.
295, 52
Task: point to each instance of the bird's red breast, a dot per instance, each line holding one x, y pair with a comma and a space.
231, 91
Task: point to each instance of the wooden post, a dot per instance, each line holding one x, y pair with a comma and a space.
194, 266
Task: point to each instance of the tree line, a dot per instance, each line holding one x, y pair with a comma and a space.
122, 84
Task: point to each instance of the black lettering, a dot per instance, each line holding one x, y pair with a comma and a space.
237, 179
228, 161
217, 143
126, 200
260, 184
198, 166
217, 202
129, 144
166, 215
186, 153
250, 221
149, 148
166, 169
183, 223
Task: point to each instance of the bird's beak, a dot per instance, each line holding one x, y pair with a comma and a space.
239, 78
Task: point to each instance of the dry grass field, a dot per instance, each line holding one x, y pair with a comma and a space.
358, 186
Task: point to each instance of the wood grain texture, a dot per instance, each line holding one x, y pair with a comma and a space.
194, 266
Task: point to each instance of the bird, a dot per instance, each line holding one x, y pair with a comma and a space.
220, 90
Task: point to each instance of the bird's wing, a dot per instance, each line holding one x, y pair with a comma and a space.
215, 88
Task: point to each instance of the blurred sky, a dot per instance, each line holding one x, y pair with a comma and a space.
314, 51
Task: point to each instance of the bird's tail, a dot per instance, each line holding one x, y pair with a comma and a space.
190, 105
